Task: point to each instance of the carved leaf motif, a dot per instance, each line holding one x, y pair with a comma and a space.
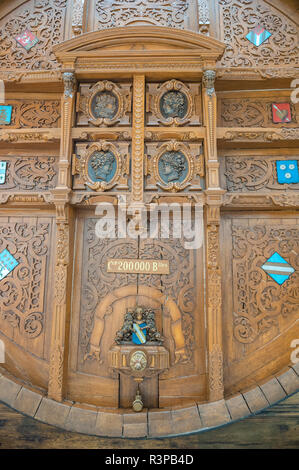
30, 173
241, 16
45, 19
260, 303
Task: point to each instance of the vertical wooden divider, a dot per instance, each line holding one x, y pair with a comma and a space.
214, 196
63, 255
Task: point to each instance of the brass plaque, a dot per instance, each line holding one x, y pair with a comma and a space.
138, 266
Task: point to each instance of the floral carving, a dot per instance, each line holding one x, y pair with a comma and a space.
250, 113
30, 173
253, 174
122, 13
45, 19
260, 304
22, 292
34, 114
239, 17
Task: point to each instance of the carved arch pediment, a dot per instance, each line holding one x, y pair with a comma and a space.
141, 48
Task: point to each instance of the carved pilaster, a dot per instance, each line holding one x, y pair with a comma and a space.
77, 17
67, 110
138, 139
214, 306
214, 196
61, 302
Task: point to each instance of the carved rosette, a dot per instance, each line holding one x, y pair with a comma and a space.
181, 103
181, 160
105, 103
99, 160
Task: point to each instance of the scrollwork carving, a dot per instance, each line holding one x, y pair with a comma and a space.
161, 13
30, 173
34, 114
240, 17
261, 305
45, 19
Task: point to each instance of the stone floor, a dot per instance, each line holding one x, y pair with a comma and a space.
276, 428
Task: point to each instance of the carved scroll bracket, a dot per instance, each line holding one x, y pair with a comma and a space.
67, 112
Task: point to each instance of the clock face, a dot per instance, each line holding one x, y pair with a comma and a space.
138, 361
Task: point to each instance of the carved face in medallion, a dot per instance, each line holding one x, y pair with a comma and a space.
104, 105
174, 104
173, 167
102, 166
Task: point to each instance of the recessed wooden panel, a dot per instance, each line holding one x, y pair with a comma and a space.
260, 316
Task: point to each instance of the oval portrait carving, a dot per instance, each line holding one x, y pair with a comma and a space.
102, 166
173, 167
174, 104
104, 105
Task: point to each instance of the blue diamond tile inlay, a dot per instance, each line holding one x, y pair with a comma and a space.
7, 263
287, 171
278, 268
258, 35
5, 115
2, 172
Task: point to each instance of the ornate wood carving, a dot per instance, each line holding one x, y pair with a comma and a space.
22, 293
161, 13
252, 113
203, 16
239, 18
252, 174
101, 166
45, 19
104, 104
173, 103
30, 173
77, 17
185, 166
260, 305
37, 114
138, 138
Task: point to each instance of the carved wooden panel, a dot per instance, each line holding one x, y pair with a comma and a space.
104, 103
30, 173
45, 19
239, 17
38, 114
174, 166
109, 14
101, 166
253, 174
260, 315
254, 110
173, 103
101, 300
24, 298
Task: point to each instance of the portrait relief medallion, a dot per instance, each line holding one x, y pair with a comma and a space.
104, 105
174, 104
173, 167
102, 166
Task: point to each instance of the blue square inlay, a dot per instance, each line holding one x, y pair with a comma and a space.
7, 263
287, 171
2, 172
278, 268
5, 115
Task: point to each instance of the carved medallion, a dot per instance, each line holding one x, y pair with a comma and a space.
138, 361
99, 165
104, 104
174, 167
173, 103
